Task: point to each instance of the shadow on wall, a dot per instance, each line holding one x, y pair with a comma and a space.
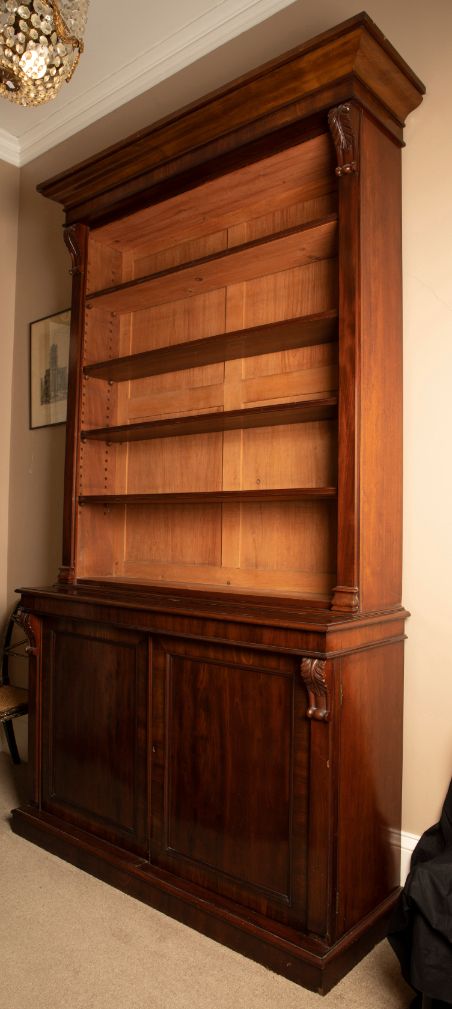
14, 785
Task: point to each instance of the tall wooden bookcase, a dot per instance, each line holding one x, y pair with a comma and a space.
217, 676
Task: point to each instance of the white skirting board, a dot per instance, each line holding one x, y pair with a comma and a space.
408, 843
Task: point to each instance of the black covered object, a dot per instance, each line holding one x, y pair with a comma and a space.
421, 928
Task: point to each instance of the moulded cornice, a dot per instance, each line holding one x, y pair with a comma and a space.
10, 148
352, 60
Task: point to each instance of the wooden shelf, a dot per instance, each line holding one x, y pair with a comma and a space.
303, 331
195, 591
230, 420
296, 246
293, 494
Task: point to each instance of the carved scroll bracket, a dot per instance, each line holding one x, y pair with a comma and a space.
71, 240
314, 679
343, 123
24, 620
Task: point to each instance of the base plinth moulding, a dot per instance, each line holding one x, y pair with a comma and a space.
300, 958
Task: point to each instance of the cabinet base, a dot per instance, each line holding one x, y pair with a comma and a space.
302, 959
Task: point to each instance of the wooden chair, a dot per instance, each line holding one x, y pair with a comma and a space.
13, 700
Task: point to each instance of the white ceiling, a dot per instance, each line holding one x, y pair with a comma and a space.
129, 47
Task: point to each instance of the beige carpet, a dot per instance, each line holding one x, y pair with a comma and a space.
70, 942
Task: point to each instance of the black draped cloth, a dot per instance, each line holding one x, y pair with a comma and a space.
421, 928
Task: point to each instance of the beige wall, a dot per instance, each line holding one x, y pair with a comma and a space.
37, 457
427, 215
9, 208
422, 35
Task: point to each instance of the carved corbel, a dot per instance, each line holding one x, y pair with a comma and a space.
314, 679
343, 124
71, 240
24, 620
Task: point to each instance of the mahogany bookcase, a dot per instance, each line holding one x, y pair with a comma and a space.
216, 680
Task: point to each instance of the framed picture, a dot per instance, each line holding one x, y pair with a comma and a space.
49, 363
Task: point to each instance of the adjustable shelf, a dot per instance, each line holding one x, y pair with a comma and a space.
230, 420
302, 331
306, 243
293, 494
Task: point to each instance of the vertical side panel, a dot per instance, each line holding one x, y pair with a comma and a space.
370, 359
381, 370
370, 784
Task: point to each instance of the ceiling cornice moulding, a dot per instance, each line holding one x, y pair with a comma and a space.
10, 149
195, 39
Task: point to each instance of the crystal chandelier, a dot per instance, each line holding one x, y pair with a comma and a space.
40, 46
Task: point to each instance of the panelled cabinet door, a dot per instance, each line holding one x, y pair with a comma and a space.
230, 800
95, 711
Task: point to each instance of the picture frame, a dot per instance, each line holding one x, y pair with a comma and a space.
49, 365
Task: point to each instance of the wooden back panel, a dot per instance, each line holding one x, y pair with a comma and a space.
274, 548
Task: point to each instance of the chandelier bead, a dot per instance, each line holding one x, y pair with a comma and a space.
40, 46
